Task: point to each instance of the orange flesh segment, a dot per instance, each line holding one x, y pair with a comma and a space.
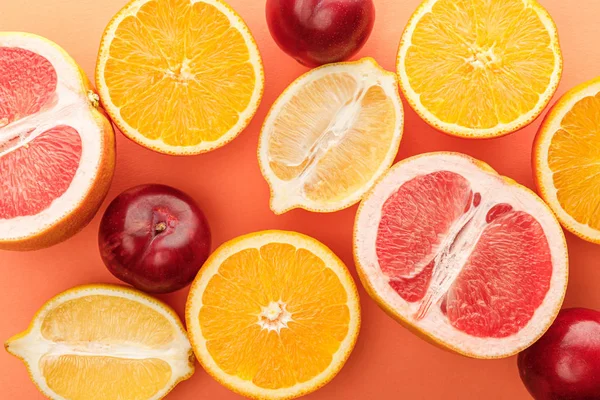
575, 161
480, 64
99, 378
33, 173
332, 136
250, 281
84, 320
183, 65
433, 221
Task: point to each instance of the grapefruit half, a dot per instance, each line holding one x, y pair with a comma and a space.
467, 258
56, 147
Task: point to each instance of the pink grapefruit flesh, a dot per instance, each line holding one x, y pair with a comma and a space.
48, 122
32, 176
443, 240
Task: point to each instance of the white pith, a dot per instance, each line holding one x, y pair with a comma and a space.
435, 324
256, 241
72, 108
244, 117
290, 194
33, 346
545, 174
274, 317
501, 128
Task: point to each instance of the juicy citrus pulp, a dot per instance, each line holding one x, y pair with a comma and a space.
103, 342
473, 260
567, 160
330, 135
477, 68
179, 76
47, 124
273, 315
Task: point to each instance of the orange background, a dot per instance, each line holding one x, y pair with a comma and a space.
388, 362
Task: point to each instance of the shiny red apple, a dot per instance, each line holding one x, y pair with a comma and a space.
565, 363
155, 238
317, 32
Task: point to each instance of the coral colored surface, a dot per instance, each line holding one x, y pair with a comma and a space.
388, 362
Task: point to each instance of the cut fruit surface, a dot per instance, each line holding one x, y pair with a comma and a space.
273, 315
104, 342
479, 69
56, 146
330, 135
566, 160
179, 76
471, 260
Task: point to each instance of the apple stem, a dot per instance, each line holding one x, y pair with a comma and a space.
160, 227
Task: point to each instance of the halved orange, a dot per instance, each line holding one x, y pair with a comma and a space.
330, 135
566, 160
479, 69
273, 315
179, 76
104, 342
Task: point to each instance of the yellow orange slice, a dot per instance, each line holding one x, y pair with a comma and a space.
330, 135
566, 160
104, 342
179, 76
273, 315
478, 68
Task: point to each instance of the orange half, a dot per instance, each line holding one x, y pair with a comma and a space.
479, 69
273, 315
179, 76
566, 160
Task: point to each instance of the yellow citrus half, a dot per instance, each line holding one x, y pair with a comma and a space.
179, 76
478, 68
330, 135
566, 160
104, 342
273, 315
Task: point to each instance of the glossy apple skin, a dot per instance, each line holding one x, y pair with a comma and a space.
155, 238
317, 32
565, 363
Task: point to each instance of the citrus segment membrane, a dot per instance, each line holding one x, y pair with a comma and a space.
329, 135
179, 76
273, 315
103, 342
479, 68
47, 127
461, 253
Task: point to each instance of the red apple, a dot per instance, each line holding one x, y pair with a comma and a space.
317, 32
155, 238
565, 363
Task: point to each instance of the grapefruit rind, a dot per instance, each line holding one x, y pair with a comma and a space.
19, 344
69, 213
157, 144
542, 172
435, 328
499, 130
281, 202
257, 240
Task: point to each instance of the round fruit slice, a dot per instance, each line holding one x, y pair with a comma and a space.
104, 342
179, 76
330, 135
57, 152
479, 69
273, 315
566, 160
469, 259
